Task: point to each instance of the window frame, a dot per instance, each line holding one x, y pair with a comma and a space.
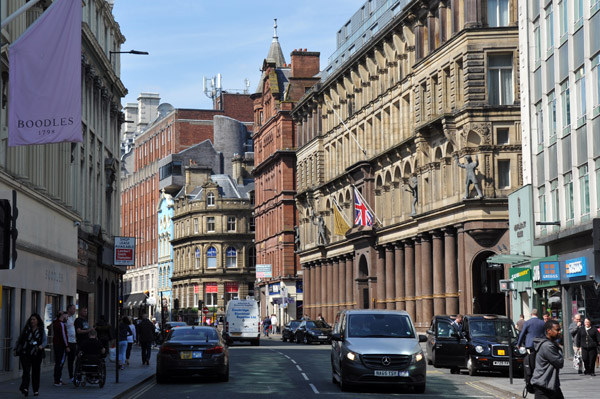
503, 98
211, 257
231, 257
210, 199
504, 176
210, 224
231, 223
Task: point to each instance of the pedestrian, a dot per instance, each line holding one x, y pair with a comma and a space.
146, 336
532, 329
266, 325
92, 345
30, 349
548, 362
587, 339
72, 338
457, 323
82, 327
320, 317
546, 316
274, 323
60, 345
123, 332
520, 323
573, 328
131, 338
105, 332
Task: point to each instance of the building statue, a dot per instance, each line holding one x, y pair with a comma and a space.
413, 188
322, 237
470, 167
297, 237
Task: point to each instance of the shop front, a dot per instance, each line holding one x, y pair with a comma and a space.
546, 284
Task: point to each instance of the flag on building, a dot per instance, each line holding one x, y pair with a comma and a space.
340, 226
363, 216
45, 78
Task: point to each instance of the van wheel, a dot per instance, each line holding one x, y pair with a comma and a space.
471, 367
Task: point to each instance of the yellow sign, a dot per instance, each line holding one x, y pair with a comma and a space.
501, 352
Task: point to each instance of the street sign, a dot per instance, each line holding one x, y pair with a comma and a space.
205, 310
124, 251
506, 285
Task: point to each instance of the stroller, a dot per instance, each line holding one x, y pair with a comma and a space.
89, 369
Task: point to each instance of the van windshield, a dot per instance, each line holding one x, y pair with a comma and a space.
380, 326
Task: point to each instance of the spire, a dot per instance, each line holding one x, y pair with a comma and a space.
275, 54
275, 30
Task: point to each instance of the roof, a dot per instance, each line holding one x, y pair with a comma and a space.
228, 188
274, 56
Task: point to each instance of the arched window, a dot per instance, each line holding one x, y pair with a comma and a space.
210, 199
211, 258
231, 257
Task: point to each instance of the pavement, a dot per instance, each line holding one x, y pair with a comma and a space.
129, 379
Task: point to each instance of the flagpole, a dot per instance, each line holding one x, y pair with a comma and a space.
341, 212
20, 11
367, 204
346, 127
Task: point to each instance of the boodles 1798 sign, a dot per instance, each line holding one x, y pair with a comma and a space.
124, 251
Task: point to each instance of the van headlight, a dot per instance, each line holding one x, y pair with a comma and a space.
417, 357
352, 356
479, 349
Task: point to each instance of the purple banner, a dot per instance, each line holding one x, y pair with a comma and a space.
45, 79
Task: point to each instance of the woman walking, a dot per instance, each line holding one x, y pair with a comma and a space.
123, 331
588, 339
131, 338
60, 345
30, 349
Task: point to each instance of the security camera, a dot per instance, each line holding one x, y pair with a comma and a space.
76, 224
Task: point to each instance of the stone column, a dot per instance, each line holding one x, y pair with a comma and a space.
380, 273
399, 274
316, 289
439, 303
418, 277
330, 285
342, 284
335, 289
463, 299
409, 278
305, 285
323, 307
427, 281
451, 272
390, 279
350, 281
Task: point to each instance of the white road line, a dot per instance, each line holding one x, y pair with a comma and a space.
140, 393
287, 356
293, 361
298, 367
305, 377
314, 388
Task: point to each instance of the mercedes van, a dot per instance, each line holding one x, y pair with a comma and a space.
242, 322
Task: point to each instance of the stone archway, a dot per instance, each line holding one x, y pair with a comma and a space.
487, 297
362, 283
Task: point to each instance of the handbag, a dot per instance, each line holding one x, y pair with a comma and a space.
577, 360
112, 354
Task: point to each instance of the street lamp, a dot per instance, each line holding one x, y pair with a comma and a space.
110, 53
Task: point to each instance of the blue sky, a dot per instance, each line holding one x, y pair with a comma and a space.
189, 39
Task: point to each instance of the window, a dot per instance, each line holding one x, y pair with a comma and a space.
552, 116
497, 13
196, 226
502, 137
568, 185
549, 30
230, 223
500, 84
542, 204
503, 173
198, 254
211, 258
210, 299
563, 19
210, 199
252, 223
554, 198
210, 224
539, 116
580, 92
578, 13
537, 38
597, 183
596, 82
584, 190
566, 107
231, 257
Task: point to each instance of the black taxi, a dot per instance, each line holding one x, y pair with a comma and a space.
481, 344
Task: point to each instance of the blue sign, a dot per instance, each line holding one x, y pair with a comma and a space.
575, 267
549, 271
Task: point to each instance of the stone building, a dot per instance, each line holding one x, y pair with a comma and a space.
275, 213
67, 193
412, 87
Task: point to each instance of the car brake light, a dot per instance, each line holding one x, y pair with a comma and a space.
167, 350
216, 349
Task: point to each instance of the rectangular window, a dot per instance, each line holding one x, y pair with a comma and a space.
596, 83
563, 19
502, 136
497, 13
539, 116
500, 81
542, 204
584, 190
210, 224
252, 223
230, 223
458, 83
552, 116
565, 100
554, 198
549, 30
196, 227
503, 173
580, 92
537, 41
578, 13
568, 185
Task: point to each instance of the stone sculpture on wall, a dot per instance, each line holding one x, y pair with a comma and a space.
471, 178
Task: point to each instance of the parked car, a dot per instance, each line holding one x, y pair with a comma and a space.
192, 351
310, 331
482, 345
289, 330
377, 347
173, 324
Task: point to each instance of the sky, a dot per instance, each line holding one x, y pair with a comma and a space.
190, 39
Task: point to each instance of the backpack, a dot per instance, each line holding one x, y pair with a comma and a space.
528, 367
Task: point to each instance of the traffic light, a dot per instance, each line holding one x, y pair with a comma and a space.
200, 304
5, 230
176, 303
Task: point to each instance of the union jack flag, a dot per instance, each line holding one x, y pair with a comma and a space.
363, 217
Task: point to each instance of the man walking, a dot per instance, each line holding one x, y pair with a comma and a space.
60, 345
573, 327
82, 327
145, 338
274, 323
548, 362
72, 339
532, 329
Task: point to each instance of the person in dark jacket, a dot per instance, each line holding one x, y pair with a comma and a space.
145, 337
122, 333
60, 344
266, 325
105, 332
587, 339
30, 349
548, 362
532, 329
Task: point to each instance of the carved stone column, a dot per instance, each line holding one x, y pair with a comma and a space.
418, 279
439, 303
390, 279
399, 274
465, 303
451, 271
306, 284
409, 277
324, 288
318, 282
350, 281
380, 273
427, 281
341, 299
330, 285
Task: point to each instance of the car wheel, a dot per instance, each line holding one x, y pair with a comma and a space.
306, 341
420, 388
471, 367
225, 376
344, 386
283, 338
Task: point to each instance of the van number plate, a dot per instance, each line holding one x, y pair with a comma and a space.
500, 363
390, 373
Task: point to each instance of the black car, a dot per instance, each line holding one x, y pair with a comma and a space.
289, 331
192, 351
310, 331
481, 345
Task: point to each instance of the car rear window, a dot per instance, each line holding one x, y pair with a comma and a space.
380, 326
194, 334
294, 324
491, 328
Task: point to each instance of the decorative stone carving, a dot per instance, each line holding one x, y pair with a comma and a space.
470, 167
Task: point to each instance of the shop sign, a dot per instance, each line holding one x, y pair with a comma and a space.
520, 274
274, 287
575, 267
231, 287
549, 271
264, 271
211, 288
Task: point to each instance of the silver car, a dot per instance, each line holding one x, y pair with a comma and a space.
377, 347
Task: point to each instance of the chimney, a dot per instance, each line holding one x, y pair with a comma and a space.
305, 64
195, 176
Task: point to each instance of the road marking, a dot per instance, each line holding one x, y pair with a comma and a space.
293, 361
482, 389
298, 367
140, 393
314, 388
287, 356
305, 377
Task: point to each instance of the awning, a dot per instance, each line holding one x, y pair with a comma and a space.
135, 300
510, 259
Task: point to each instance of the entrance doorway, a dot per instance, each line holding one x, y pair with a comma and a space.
363, 283
487, 297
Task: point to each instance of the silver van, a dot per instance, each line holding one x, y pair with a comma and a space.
377, 347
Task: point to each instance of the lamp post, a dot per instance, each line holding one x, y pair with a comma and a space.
110, 53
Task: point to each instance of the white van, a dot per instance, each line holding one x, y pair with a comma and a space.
242, 322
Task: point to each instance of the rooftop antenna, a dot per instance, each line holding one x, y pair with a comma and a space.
247, 84
212, 86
